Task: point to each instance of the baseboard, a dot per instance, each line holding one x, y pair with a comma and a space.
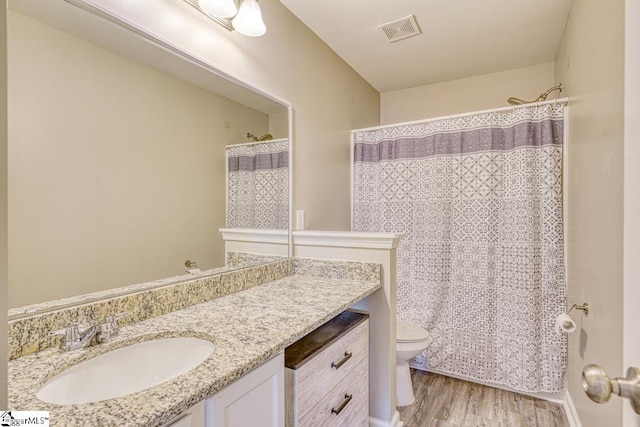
570, 411
395, 422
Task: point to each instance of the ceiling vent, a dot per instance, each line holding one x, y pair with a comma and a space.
401, 28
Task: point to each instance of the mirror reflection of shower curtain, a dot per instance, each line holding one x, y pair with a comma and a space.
481, 266
258, 185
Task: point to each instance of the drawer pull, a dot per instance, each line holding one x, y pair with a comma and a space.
345, 402
342, 361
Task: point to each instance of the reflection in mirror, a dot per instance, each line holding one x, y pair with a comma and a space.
117, 165
258, 183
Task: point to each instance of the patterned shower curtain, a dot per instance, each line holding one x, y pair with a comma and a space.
258, 185
481, 266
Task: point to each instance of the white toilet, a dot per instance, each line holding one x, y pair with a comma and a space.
410, 341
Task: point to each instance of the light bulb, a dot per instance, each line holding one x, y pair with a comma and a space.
221, 8
248, 21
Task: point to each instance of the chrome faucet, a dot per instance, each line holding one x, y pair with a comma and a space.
78, 337
109, 328
75, 337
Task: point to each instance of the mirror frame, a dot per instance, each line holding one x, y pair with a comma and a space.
148, 37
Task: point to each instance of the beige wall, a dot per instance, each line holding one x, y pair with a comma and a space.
590, 63
328, 97
631, 196
465, 95
279, 125
3, 208
116, 170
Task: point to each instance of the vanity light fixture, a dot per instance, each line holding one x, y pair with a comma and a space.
247, 20
221, 8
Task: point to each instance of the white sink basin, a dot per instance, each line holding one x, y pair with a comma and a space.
126, 370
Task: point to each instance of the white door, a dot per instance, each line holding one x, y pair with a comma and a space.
631, 295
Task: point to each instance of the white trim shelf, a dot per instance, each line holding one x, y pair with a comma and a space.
351, 239
255, 235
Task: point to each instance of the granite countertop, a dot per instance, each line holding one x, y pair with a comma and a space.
248, 328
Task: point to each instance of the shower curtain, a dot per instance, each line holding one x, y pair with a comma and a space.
481, 266
258, 185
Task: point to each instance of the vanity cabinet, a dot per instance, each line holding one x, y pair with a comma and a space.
193, 417
256, 399
327, 375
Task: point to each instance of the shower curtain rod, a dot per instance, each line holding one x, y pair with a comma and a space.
256, 142
455, 116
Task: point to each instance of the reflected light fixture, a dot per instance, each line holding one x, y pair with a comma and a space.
221, 8
248, 21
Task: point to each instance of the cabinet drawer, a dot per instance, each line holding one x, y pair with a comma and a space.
352, 393
356, 416
315, 378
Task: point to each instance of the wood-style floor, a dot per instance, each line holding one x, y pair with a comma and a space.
448, 402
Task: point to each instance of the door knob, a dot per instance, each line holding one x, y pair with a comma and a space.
599, 387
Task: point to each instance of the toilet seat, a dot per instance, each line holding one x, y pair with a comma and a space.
409, 332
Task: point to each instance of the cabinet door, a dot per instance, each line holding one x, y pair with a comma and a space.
256, 399
193, 417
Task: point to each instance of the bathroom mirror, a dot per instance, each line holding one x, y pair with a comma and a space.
117, 155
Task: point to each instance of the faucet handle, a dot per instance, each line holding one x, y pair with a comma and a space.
109, 328
75, 336
114, 317
70, 333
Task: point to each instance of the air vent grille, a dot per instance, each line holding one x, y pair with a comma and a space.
401, 28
